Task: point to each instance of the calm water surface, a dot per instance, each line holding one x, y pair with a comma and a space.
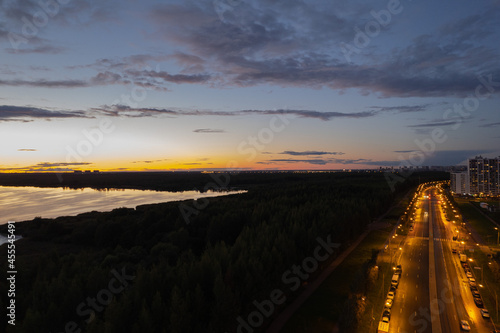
26, 203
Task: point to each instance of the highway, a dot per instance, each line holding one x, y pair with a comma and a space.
433, 294
410, 312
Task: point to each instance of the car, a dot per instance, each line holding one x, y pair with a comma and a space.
388, 303
479, 302
473, 288
472, 284
469, 274
485, 313
393, 289
472, 280
464, 325
453, 250
390, 295
475, 293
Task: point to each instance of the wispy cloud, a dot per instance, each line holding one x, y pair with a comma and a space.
59, 164
48, 166
309, 153
42, 83
151, 161
402, 108
39, 49
405, 151
490, 125
435, 124
310, 161
27, 149
126, 111
321, 161
26, 113
209, 130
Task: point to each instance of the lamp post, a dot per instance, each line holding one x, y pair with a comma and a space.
496, 299
498, 236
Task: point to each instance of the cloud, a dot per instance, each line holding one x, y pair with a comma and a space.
309, 153
18, 113
405, 151
42, 83
282, 43
402, 108
52, 165
25, 113
146, 78
27, 149
319, 161
310, 161
197, 163
490, 125
171, 78
435, 124
251, 44
126, 111
41, 49
209, 130
47, 166
150, 161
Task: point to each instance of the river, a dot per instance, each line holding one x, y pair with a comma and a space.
26, 203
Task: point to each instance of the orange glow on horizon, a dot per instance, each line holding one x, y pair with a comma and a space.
174, 164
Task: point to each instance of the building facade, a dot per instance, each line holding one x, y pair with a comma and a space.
460, 182
484, 176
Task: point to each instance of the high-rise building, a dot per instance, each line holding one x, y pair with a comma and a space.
484, 175
460, 183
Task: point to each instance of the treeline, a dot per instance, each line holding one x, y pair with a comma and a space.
161, 181
151, 270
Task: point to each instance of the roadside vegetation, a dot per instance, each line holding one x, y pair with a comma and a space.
352, 298
488, 265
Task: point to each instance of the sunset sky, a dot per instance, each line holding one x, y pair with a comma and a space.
270, 84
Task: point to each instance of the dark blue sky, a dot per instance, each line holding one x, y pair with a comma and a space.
251, 84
